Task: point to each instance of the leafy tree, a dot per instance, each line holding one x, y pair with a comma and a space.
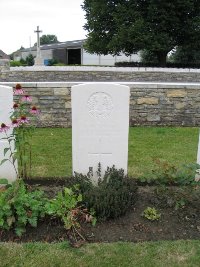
128, 26
148, 57
186, 54
48, 39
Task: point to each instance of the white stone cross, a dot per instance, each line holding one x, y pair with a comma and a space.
100, 123
38, 40
38, 59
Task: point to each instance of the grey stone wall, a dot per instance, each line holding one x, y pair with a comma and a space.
84, 73
150, 104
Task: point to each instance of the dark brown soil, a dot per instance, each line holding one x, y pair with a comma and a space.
181, 223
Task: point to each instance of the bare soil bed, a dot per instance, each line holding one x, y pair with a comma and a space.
181, 223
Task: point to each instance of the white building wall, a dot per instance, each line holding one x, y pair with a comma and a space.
45, 54
107, 60
89, 59
133, 57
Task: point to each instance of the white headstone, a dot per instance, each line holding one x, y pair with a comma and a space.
6, 102
100, 124
198, 151
197, 176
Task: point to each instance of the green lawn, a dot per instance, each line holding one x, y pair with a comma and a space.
52, 157
52, 149
147, 254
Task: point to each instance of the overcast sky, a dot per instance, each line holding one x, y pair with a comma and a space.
19, 19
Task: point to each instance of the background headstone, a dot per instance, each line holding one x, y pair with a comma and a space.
6, 102
198, 151
100, 124
197, 176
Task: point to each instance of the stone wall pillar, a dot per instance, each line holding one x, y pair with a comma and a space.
4, 65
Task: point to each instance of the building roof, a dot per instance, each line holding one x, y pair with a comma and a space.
68, 44
3, 55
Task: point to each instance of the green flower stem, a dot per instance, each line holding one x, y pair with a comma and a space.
11, 156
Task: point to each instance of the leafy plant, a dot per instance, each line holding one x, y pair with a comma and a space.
176, 196
68, 207
19, 140
151, 214
180, 203
112, 197
19, 207
4, 184
169, 174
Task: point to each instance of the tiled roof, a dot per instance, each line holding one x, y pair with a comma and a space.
3, 55
68, 44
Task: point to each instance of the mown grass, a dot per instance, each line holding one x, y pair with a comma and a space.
52, 149
52, 158
147, 254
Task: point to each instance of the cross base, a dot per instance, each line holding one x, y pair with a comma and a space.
38, 61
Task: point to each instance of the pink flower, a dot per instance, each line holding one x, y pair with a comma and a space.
18, 89
26, 98
23, 119
34, 110
18, 92
15, 123
4, 128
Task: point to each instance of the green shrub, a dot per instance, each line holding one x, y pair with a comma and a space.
23, 62
30, 60
15, 63
154, 64
112, 197
167, 173
19, 207
151, 214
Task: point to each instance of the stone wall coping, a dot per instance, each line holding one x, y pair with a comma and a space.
102, 68
131, 84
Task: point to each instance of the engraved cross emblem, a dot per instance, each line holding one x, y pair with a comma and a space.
100, 156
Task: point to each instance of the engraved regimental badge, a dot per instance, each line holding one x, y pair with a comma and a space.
100, 105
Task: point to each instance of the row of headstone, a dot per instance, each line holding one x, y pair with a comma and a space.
6, 102
100, 124
197, 176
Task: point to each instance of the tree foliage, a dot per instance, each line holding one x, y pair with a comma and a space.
186, 54
128, 26
48, 39
148, 57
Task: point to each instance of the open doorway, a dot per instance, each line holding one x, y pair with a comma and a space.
74, 56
